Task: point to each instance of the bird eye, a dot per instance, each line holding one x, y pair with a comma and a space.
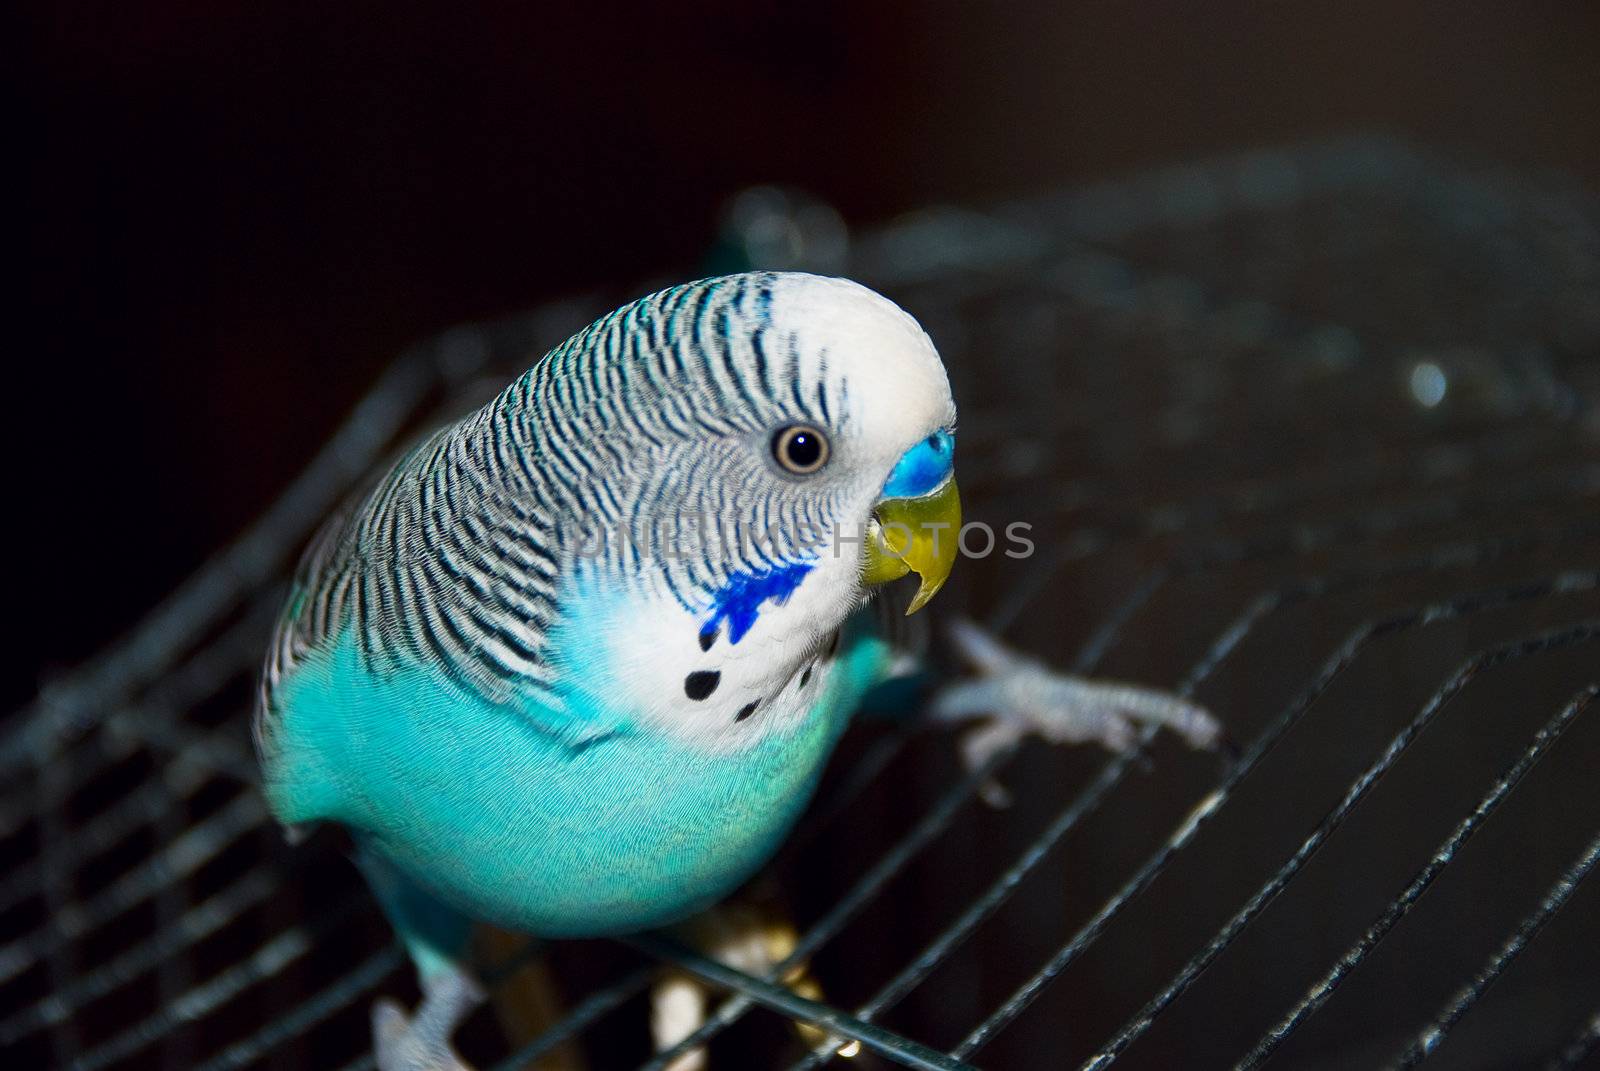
800, 448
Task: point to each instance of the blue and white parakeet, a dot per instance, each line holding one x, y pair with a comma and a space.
574, 665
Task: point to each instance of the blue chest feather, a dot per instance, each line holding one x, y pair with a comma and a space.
512, 824
739, 602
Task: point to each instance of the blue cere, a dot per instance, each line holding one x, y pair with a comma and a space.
739, 603
923, 467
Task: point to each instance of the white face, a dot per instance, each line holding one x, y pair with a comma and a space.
886, 391
862, 342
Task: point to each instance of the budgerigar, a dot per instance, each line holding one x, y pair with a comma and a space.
574, 665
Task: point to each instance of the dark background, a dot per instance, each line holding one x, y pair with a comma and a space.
234, 215
234, 220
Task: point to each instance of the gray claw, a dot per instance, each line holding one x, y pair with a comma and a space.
397, 1046
1018, 695
422, 1042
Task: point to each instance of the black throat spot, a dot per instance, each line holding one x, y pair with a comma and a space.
701, 683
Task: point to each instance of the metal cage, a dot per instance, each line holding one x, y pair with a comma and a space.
1309, 434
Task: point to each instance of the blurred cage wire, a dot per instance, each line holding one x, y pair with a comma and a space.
1311, 435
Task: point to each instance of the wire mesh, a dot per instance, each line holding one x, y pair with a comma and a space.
1318, 424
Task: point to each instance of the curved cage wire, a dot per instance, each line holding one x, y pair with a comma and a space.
1311, 435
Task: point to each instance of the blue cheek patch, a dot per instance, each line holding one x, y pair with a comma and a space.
923, 467
739, 603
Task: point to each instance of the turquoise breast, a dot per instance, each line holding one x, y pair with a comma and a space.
537, 832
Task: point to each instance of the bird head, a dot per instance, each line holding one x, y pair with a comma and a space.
752, 454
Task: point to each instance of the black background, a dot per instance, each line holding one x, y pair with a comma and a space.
234, 215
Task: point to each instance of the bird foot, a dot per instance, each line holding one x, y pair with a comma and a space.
1016, 696
422, 1042
748, 937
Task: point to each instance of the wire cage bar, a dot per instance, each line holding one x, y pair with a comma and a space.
1354, 511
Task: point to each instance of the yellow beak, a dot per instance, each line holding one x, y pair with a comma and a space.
914, 535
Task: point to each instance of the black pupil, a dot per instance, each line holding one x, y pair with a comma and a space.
803, 449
